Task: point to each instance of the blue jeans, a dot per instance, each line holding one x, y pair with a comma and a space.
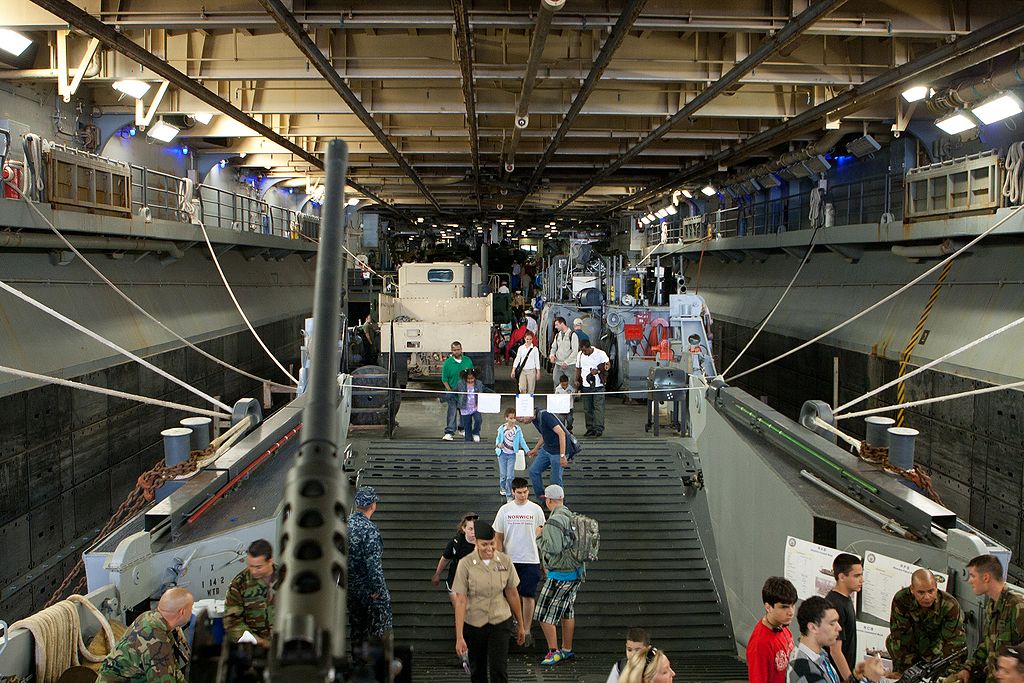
471, 424
453, 412
506, 465
543, 461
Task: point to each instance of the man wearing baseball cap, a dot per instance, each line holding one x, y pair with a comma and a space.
564, 577
369, 602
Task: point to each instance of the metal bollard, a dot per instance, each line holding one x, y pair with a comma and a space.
200, 427
875, 433
177, 442
901, 446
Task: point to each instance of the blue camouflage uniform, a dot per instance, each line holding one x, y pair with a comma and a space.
369, 602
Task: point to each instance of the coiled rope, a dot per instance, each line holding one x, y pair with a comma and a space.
135, 305
106, 342
889, 297
1014, 176
57, 631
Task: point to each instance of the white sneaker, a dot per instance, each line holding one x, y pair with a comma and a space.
446, 437
460, 432
476, 438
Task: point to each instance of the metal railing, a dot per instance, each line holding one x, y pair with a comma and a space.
218, 208
863, 201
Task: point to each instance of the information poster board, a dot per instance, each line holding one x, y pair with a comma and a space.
809, 567
883, 578
871, 640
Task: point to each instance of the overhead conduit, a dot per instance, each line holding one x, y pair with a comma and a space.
974, 91
540, 38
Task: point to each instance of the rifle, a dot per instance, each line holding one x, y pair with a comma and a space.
925, 671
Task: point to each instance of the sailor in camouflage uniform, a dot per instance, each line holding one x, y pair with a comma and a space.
249, 605
154, 649
369, 602
925, 623
1003, 621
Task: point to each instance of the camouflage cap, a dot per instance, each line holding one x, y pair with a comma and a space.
366, 496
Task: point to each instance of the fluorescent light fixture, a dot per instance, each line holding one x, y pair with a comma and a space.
708, 190
203, 117
917, 92
651, 217
352, 201
817, 164
643, 219
998, 108
13, 42
769, 181
958, 122
132, 88
671, 210
420, 219
687, 194
243, 155
661, 213
863, 146
163, 131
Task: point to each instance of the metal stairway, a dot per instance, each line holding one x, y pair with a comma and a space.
652, 571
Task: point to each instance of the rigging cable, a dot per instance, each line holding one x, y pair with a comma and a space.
136, 306
891, 296
933, 399
106, 342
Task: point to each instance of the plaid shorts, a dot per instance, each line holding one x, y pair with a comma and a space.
556, 600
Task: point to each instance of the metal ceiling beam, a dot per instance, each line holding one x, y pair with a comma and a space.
113, 39
991, 40
626, 19
288, 24
464, 46
776, 43
540, 38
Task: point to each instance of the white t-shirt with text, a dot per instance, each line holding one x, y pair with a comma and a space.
519, 524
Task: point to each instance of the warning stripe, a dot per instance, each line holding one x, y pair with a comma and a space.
908, 350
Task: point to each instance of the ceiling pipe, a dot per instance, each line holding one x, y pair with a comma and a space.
619, 31
540, 38
789, 33
291, 28
20, 240
949, 99
991, 40
822, 146
464, 47
113, 39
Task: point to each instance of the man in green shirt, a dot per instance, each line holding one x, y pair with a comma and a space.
925, 624
450, 376
1003, 623
154, 648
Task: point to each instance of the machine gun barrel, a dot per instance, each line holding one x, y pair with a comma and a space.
311, 615
925, 671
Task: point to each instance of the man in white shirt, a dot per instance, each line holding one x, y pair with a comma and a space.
516, 525
591, 374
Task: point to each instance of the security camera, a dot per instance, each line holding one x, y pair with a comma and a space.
500, 207
522, 121
509, 167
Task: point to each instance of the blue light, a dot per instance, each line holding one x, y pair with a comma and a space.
223, 163
184, 150
132, 131
844, 159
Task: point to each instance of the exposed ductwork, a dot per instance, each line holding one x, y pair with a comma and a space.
464, 46
623, 24
991, 40
113, 39
822, 146
540, 38
792, 30
291, 28
948, 99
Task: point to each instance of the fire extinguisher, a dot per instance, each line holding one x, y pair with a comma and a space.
12, 176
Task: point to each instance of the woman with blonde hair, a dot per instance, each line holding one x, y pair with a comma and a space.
647, 667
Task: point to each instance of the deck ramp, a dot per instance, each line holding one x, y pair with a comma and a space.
652, 572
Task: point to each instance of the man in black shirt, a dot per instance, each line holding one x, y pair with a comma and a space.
848, 571
549, 451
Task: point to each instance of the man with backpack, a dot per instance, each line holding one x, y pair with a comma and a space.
565, 543
555, 448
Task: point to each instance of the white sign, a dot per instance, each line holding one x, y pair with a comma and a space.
488, 403
883, 578
871, 640
559, 403
809, 567
524, 405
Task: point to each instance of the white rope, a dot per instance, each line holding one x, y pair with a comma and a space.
57, 632
931, 364
354, 259
807, 257
1014, 177
139, 308
818, 422
110, 392
477, 393
899, 291
106, 342
231, 293
933, 399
